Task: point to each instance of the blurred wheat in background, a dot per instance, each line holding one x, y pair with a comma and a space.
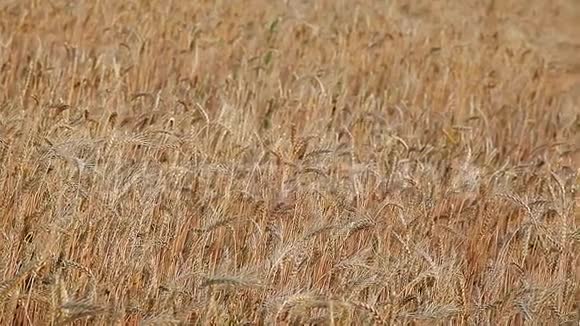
330, 162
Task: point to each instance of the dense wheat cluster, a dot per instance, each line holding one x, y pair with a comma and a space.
269, 162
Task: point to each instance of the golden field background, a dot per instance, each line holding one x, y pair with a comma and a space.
289, 162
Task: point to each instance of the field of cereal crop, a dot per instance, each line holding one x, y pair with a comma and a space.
269, 162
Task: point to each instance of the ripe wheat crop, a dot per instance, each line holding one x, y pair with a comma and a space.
269, 162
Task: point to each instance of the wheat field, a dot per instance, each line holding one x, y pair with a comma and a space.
269, 162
